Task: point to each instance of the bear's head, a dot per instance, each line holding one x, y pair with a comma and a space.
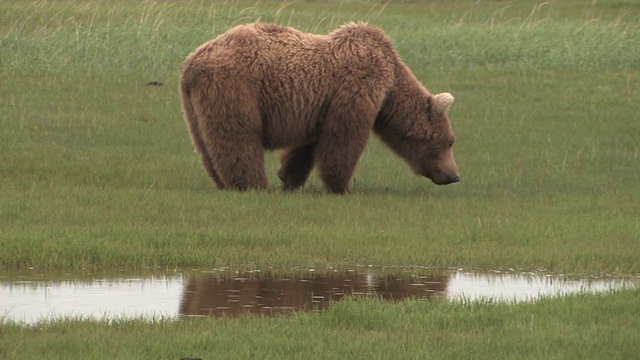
433, 155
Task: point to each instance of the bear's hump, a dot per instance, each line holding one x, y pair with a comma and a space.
361, 31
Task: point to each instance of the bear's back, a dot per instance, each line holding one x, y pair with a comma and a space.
291, 76
275, 50
262, 47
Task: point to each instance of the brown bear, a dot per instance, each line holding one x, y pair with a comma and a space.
317, 97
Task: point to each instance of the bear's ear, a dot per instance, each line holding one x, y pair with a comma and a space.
442, 102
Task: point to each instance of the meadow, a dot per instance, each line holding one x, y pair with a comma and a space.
97, 171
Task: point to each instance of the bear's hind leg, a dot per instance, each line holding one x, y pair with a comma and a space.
296, 165
208, 165
240, 163
231, 136
200, 146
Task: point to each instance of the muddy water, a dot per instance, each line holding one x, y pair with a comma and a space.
32, 296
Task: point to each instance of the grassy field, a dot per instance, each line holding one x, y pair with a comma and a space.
577, 327
97, 170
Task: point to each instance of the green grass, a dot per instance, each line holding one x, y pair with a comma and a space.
576, 327
97, 171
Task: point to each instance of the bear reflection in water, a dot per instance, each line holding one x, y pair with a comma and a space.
268, 294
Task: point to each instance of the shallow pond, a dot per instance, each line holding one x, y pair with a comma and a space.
32, 296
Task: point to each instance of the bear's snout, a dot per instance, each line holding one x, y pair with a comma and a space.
445, 180
454, 179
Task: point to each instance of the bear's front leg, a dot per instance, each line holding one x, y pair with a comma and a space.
296, 165
337, 155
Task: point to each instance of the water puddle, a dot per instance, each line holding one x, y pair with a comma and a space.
31, 297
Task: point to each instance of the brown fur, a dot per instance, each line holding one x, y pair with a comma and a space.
318, 97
